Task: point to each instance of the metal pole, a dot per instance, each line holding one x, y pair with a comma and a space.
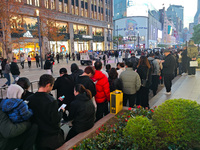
40, 41
117, 38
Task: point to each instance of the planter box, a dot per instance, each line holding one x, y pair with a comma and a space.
77, 139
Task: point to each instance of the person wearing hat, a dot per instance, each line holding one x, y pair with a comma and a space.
168, 70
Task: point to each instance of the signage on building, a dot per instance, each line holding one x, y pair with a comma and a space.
28, 34
62, 48
87, 36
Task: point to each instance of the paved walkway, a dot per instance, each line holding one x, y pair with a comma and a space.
186, 87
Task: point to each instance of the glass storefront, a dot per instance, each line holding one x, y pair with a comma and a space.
80, 29
59, 46
27, 48
98, 46
81, 46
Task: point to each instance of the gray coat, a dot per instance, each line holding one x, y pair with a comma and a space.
155, 65
131, 81
7, 69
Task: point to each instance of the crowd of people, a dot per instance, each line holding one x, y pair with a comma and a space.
29, 120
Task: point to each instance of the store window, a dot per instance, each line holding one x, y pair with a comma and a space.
29, 2
82, 30
52, 4
60, 5
73, 10
46, 3
18, 1
76, 10
62, 27
30, 23
81, 46
75, 28
65, 7
37, 3
97, 31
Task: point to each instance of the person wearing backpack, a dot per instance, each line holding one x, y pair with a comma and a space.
134, 60
154, 72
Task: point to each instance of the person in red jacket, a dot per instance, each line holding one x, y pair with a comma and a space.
103, 91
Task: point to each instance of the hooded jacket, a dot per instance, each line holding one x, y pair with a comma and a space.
82, 112
16, 109
102, 87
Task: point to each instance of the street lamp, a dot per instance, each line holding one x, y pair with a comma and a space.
39, 34
138, 40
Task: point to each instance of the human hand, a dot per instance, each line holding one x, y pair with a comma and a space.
61, 98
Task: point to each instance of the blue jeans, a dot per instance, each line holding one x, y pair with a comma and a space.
116, 59
14, 77
67, 60
7, 76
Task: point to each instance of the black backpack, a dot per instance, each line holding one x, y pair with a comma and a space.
152, 65
104, 57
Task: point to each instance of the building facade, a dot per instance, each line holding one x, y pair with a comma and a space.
67, 26
196, 17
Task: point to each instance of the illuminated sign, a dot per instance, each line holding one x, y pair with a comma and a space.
28, 34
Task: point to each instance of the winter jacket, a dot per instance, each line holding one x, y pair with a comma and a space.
156, 67
65, 86
115, 84
47, 64
131, 81
134, 60
16, 109
143, 71
76, 73
9, 130
88, 84
102, 87
82, 112
169, 65
120, 71
14, 69
6, 69
192, 50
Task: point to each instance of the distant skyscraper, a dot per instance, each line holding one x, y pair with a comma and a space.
196, 17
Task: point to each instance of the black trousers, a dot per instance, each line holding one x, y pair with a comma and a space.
191, 71
37, 64
72, 133
143, 97
22, 64
102, 110
154, 83
24, 141
168, 81
129, 97
29, 64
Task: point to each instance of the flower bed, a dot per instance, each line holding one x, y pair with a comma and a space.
173, 125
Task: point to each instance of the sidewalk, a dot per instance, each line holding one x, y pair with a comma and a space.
186, 87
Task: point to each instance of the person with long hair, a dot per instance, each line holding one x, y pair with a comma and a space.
6, 70
82, 111
144, 71
114, 81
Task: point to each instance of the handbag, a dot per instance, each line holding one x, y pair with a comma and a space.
193, 63
145, 81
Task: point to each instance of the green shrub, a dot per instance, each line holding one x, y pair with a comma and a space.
178, 122
139, 130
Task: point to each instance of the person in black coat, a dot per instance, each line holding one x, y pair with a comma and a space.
14, 69
168, 70
75, 71
144, 71
184, 61
48, 65
85, 80
37, 60
114, 82
65, 87
57, 57
82, 111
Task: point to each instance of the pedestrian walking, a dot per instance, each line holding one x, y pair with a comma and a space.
48, 65
57, 57
67, 57
168, 70
22, 60
1, 59
73, 56
180, 71
29, 61
14, 70
52, 61
6, 70
116, 56
37, 60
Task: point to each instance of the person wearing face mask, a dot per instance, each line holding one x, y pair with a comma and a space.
82, 111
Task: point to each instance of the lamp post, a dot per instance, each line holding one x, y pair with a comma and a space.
138, 40
117, 38
40, 40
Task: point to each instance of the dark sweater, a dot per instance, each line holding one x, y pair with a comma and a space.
82, 112
169, 65
45, 113
48, 64
115, 84
76, 73
14, 69
87, 83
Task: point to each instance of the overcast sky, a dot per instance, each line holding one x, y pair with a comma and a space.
190, 8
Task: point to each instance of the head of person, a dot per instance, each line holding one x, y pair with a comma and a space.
121, 65
152, 55
167, 52
98, 65
28, 55
129, 64
48, 57
132, 54
15, 60
14, 91
24, 83
63, 71
118, 65
108, 66
89, 71
113, 73
80, 89
143, 61
46, 82
74, 67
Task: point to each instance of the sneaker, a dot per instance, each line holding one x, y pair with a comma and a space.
184, 74
168, 93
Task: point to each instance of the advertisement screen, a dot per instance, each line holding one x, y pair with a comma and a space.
160, 34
